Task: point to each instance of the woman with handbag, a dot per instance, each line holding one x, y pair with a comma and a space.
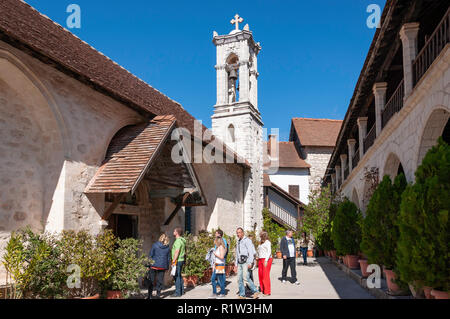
160, 255
219, 268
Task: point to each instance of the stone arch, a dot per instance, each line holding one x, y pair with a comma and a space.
34, 145
393, 166
133, 120
232, 58
432, 130
19, 66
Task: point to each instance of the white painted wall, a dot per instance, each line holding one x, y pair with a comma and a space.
293, 176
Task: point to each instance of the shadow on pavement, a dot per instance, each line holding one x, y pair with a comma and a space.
344, 286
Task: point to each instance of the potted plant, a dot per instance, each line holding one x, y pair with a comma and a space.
195, 263
33, 265
275, 232
129, 265
423, 223
346, 232
380, 230
316, 218
229, 265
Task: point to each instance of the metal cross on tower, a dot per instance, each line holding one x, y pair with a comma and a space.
237, 19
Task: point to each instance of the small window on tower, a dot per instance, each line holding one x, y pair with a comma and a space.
294, 191
231, 137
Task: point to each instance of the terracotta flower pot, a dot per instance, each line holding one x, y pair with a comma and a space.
190, 281
279, 254
309, 253
206, 276
352, 261
113, 294
437, 294
363, 264
427, 292
228, 270
416, 290
390, 277
96, 296
333, 254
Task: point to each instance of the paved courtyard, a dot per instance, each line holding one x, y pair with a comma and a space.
320, 279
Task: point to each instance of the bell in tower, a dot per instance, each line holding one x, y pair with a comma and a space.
232, 87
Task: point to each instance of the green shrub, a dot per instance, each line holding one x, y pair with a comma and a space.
39, 263
316, 218
273, 229
128, 265
196, 249
34, 264
379, 228
346, 229
423, 222
231, 256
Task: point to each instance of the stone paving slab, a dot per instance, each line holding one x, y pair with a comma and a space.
319, 279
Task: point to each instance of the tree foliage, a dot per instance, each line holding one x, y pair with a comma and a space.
346, 229
273, 229
316, 219
379, 229
423, 254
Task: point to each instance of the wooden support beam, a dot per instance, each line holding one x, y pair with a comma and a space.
113, 206
158, 181
175, 211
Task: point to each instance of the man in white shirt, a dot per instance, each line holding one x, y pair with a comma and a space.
287, 247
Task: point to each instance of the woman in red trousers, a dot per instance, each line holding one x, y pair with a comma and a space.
264, 263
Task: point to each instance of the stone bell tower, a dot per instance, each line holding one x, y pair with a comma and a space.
236, 119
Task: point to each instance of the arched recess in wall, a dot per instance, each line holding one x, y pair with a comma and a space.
231, 138
115, 130
34, 145
436, 126
393, 166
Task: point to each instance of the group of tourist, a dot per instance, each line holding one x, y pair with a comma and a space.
247, 258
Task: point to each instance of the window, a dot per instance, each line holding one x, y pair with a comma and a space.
294, 191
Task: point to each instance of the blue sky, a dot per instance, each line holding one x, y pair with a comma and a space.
311, 57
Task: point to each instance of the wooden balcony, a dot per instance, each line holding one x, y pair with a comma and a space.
282, 216
432, 48
394, 104
370, 138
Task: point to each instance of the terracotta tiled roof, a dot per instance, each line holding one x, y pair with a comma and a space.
130, 153
288, 156
317, 132
24, 27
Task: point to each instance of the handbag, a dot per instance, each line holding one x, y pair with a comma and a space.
220, 269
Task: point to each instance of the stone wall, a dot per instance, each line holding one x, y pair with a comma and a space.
410, 132
318, 158
222, 185
55, 132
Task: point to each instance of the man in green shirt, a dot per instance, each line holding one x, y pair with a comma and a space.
178, 259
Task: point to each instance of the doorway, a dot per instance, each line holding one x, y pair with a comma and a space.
123, 225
